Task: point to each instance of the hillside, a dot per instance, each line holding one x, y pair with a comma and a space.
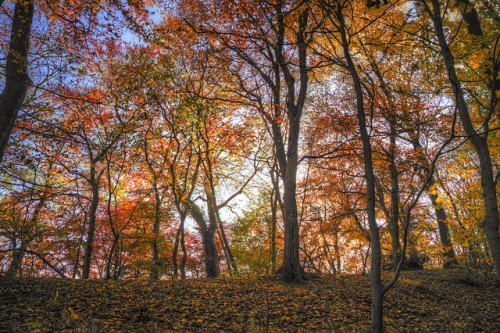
422, 301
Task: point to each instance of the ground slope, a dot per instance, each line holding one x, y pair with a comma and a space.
422, 301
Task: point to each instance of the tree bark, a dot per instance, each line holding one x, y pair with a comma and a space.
155, 275
288, 162
449, 258
207, 231
274, 208
179, 239
16, 70
184, 252
89, 244
175, 251
479, 141
394, 215
376, 258
26, 238
231, 262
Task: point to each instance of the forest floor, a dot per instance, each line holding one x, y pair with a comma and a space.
422, 301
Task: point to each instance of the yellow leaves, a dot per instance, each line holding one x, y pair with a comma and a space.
72, 313
433, 190
69, 317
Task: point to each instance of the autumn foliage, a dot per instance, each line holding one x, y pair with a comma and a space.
169, 140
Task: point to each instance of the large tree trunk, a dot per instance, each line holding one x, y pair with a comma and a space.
211, 255
208, 235
16, 70
479, 141
288, 161
89, 244
291, 269
207, 231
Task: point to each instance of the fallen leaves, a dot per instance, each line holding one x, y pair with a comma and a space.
422, 301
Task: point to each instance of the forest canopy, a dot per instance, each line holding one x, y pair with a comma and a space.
205, 138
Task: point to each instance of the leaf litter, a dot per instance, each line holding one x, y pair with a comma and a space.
422, 301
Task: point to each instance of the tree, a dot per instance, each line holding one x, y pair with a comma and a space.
268, 47
478, 135
16, 70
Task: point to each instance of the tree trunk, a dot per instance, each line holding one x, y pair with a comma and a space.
274, 207
211, 256
336, 250
17, 259
377, 311
394, 215
291, 269
479, 142
175, 251
207, 235
288, 162
184, 252
376, 258
155, 275
233, 268
109, 260
16, 70
449, 259
26, 238
89, 244
179, 239
78, 251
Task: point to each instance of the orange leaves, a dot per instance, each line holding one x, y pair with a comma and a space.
432, 300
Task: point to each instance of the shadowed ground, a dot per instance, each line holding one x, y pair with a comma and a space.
422, 301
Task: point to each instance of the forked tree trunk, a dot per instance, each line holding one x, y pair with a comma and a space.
207, 231
288, 160
179, 240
